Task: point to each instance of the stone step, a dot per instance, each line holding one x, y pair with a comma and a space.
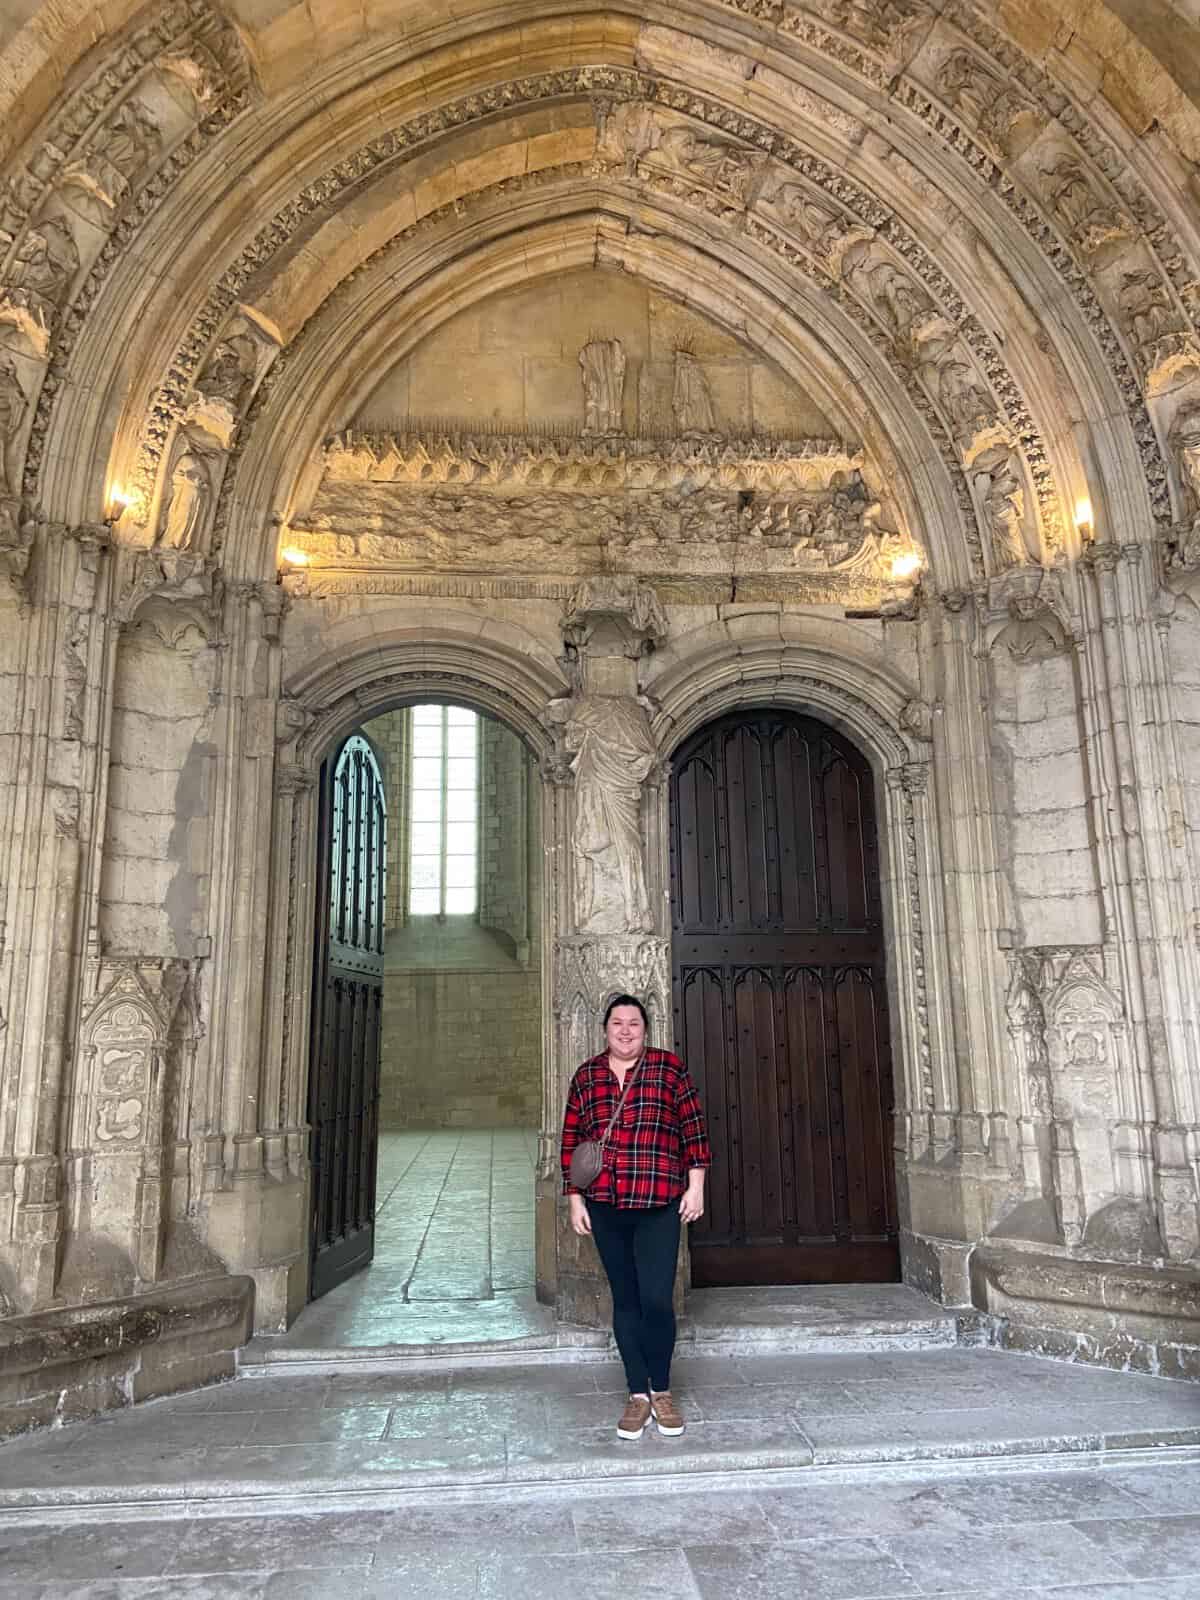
378, 1437
806, 1320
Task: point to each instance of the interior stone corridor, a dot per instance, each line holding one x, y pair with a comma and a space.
453, 1248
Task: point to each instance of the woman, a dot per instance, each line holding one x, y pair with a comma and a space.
636, 1204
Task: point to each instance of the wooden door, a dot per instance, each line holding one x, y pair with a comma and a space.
780, 1001
347, 1009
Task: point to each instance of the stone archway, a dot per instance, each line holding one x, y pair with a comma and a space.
464, 678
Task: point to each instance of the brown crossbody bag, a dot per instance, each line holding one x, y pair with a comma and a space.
587, 1158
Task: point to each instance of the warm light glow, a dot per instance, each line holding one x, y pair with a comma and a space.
905, 566
292, 556
118, 501
1083, 513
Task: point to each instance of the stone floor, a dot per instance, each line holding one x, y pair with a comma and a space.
453, 1249
957, 1473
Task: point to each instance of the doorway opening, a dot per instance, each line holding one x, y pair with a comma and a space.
780, 1000
426, 1043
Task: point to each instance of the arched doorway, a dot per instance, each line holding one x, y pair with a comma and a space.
780, 999
426, 1069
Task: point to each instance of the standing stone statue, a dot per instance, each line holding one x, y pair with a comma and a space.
602, 363
614, 752
692, 401
191, 490
12, 414
1004, 510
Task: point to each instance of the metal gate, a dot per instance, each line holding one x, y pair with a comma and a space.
347, 1007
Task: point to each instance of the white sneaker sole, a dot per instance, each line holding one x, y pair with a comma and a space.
670, 1433
623, 1433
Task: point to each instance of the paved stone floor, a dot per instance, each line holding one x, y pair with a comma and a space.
1120, 1532
453, 1248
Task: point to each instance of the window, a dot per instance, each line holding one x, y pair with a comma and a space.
444, 815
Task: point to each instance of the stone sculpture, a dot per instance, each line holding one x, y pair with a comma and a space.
229, 371
12, 413
1004, 513
713, 160
613, 753
965, 402
187, 510
45, 263
692, 401
602, 362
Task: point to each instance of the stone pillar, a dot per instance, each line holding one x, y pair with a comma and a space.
1125, 667
255, 1200
603, 780
55, 642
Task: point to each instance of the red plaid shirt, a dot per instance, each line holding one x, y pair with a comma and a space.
658, 1136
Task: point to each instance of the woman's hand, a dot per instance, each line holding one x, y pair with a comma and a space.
691, 1206
581, 1223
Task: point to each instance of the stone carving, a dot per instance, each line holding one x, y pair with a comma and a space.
1088, 220
186, 513
964, 401
13, 405
17, 532
37, 282
1002, 117
229, 371
712, 159
1033, 635
117, 156
609, 737
602, 363
828, 234
1185, 444
692, 401
1164, 347
896, 299
879, 24
635, 603
433, 458
916, 718
1003, 499
195, 69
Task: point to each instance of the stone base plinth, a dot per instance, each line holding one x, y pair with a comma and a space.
61, 1365
1114, 1314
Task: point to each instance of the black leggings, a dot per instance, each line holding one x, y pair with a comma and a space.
639, 1247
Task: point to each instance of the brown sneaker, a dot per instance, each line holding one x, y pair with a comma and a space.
634, 1417
666, 1413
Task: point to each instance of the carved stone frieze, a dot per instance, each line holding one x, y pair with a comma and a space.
431, 458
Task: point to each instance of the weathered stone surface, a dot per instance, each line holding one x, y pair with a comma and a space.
59, 1366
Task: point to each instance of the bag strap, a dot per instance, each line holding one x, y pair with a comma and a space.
625, 1088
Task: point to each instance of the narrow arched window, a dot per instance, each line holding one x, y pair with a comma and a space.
443, 861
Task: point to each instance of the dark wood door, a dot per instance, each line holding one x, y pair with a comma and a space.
780, 1001
347, 1010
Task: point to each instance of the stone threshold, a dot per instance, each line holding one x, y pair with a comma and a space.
849, 1319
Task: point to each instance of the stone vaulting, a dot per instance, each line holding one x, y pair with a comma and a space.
605, 367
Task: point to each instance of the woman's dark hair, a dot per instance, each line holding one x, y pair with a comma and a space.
625, 1000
